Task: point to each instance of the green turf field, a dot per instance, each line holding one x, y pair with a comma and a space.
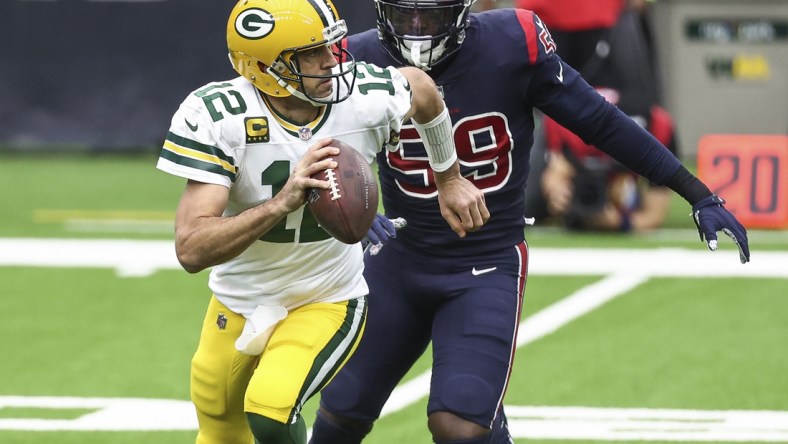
625, 338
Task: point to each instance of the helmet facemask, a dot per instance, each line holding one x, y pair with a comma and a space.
422, 33
286, 69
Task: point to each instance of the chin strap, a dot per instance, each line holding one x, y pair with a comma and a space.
415, 56
283, 83
414, 53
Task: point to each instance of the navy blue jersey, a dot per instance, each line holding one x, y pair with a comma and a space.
505, 68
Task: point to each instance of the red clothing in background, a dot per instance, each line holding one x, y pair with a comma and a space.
575, 15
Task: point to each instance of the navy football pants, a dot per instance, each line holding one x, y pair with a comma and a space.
469, 307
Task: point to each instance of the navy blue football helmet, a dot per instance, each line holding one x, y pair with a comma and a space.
422, 33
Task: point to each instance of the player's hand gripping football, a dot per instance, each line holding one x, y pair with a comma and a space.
293, 195
461, 203
710, 216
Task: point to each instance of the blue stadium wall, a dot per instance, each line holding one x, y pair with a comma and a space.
108, 74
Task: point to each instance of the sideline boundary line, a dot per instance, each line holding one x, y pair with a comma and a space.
144, 257
529, 422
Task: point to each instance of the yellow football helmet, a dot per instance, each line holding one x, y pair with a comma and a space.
263, 37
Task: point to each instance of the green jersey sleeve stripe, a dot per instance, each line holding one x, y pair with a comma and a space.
208, 149
197, 164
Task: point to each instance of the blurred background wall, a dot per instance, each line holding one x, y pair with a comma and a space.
724, 66
108, 74
103, 74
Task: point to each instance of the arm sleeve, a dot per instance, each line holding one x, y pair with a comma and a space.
561, 93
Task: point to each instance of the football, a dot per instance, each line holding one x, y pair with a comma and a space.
347, 209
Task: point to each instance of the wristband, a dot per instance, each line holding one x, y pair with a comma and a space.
688, 186
438, 141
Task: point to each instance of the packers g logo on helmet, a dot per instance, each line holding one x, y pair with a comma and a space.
254, 23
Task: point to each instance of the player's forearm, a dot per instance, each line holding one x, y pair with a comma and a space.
686, 185
442, 178
431, 119
208, 241
426, 101
651, 160
603, 125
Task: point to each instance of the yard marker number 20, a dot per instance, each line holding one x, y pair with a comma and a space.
751, 173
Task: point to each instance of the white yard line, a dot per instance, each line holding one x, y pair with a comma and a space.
128, 257
568, 309
662, 262
110, 414
143, 257
532, 422
624, 269
647, 424
667, 235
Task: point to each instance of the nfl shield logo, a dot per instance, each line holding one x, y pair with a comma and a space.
221, 321
305, 133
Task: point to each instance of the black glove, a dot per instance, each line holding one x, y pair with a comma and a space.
710, 216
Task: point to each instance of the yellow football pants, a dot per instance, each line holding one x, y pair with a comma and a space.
304, 352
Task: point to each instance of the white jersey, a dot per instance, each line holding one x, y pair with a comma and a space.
225, 134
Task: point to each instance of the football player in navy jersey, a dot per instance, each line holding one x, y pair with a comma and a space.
466, 294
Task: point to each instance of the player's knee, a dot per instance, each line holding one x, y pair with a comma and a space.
206, 398
219, 411
217, 424
462, 408
345, 394
330, 428
275, 391
448, 428
266, 429
469, 397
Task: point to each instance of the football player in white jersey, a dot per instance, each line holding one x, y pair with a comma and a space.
289, 302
